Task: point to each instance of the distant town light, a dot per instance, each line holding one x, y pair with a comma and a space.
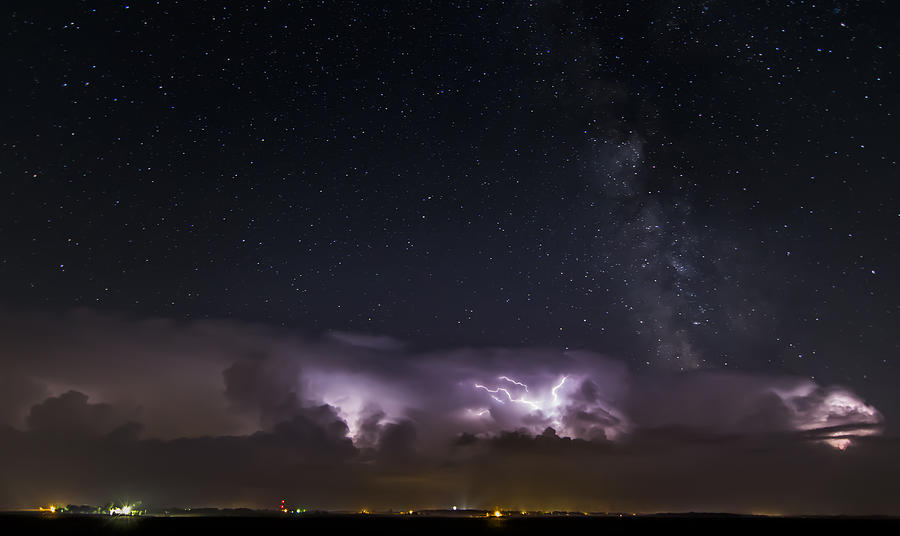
126, 510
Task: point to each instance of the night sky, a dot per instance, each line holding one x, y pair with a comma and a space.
293, 249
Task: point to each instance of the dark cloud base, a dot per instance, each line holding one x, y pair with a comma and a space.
657, 470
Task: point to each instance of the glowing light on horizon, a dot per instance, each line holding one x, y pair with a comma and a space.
125, 510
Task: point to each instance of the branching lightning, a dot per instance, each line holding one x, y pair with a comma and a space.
510, 380
548, 405
520, 400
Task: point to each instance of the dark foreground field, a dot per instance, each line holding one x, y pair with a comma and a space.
28, 523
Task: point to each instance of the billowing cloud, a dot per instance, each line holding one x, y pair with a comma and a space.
71, 413
266, 384
222, 413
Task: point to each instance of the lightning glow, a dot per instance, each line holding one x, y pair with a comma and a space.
838, 407
533, 400
510, 380
520, 400
556, 388
540, 404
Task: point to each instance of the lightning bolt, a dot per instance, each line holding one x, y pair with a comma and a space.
480, 412
510, 380
520, 400
556, 388
497, 390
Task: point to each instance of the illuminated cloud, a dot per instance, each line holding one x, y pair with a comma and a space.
273, 411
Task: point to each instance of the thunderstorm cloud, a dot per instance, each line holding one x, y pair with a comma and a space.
235, 414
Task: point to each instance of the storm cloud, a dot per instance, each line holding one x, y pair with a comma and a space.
99, 407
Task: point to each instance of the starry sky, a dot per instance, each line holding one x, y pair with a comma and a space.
697, 196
